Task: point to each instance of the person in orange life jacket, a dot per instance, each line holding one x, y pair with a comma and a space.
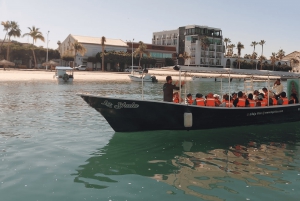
199, 100
265, 100
260, 102
255, 94
168, 89
293, 99
176, 97
282, 100
240, 101
217, 99
233, 97
210, 100
226, 102
274, 100
252, 102
189, 99
265, 90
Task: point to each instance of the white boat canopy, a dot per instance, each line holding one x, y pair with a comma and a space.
63, 68
281, 74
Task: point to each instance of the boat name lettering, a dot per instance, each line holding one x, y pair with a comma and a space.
264, 113
107, 104
126, 105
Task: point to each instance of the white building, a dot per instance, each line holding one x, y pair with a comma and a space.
91, 44
188, 39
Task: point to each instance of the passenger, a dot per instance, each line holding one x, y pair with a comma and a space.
210, 100
217, 99
264, 98
255, 94
278, 87
189, 99
233, 97
293, 99
282, 100
265, 90
176, 97
274, 100
199, 100
226, 102
252, 102
260, 102
169, 87
240, 101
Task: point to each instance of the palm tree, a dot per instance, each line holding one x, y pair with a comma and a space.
280, 54
14, 31
6, 26
240, 46
273, 59
295, 61
103, 41
262, 42
261, 59
78, 47
35, 34
185, 56
204, 44
140, 51
226, 40
253, 44
254, 55
230, 49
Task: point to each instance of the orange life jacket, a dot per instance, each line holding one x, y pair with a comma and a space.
228, 104
210, 102
274, 101
200, 101
262, 103
241, 103
251, 103
176, 100
285, 101
189, 101
265, 100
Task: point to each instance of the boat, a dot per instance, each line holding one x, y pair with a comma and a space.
142, 76
129, 115
64, 74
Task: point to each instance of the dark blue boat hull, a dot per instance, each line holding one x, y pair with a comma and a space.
126, 115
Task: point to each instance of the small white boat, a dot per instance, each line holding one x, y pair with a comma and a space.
64, 74
145, 78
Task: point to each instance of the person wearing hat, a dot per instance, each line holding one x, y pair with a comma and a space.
217, 99
199, 100
189, 99
168, 89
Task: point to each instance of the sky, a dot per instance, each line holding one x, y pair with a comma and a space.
276, 22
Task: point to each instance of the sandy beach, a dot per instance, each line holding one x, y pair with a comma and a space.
30, 74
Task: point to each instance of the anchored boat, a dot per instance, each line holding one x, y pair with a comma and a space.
127, 115
64, 74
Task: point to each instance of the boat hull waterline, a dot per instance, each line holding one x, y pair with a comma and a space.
127, 115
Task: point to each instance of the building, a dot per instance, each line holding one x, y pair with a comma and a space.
189, 39
294, 59
157, 52
92, 46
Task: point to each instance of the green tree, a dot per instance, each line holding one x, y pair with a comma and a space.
103, 41
185, 56
273, 59
140, 51
78, 47
226, 41
262, 42
253, 44
280, 54
6, 25
239, 47
14, 31
35, 34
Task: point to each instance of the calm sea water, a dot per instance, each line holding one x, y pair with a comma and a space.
53, 146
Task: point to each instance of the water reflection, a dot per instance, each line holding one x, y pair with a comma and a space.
200, 163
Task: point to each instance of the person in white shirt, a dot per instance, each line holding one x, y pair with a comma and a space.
278, 88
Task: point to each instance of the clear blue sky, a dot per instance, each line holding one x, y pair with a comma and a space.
276, 22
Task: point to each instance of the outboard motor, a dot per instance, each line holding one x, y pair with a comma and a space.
153, 78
